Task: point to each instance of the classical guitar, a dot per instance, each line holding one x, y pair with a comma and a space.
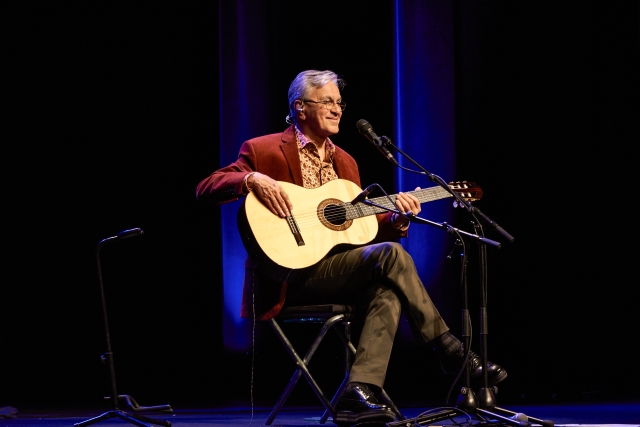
322, 218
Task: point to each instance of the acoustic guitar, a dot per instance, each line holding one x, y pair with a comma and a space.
322, 218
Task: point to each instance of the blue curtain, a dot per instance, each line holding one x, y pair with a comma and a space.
242, 88
425, 118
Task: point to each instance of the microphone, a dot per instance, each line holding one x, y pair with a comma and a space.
365, 129
360, 197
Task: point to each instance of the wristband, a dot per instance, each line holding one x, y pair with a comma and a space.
245, 182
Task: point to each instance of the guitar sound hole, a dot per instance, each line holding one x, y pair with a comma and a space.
335, 215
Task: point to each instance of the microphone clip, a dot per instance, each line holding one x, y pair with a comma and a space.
360, 197
383, 141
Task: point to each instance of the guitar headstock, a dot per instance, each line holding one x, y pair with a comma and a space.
469, 191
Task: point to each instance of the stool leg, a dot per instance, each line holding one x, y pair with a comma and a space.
347, 353
302, 366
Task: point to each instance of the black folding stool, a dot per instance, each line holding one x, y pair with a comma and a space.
331, 316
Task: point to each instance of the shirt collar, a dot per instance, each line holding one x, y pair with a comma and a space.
303, 141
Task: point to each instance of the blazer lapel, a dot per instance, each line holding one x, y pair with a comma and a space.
289, 148
343, 168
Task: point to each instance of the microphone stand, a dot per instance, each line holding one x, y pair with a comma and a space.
485, 405
444, 226
435, 178
137, 419
466, 401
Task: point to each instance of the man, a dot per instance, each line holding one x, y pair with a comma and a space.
379, 278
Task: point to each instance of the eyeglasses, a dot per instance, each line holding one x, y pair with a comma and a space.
329, 104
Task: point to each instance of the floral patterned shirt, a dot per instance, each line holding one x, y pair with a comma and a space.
315, 171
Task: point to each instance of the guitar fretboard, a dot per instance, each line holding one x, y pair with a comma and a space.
424, 195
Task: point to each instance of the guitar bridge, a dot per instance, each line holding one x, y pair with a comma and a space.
295, 230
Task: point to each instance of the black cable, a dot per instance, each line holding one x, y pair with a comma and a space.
463, 278
459, 412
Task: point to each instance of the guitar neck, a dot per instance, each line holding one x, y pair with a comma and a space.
424, 195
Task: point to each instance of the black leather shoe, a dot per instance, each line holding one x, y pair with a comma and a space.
358, 404
452, 364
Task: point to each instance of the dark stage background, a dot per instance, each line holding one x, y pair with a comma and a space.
113, 118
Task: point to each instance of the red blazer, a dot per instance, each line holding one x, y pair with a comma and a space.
277, 156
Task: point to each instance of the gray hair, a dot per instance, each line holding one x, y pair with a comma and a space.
310, 79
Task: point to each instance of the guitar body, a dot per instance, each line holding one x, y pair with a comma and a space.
322, 218
321, 226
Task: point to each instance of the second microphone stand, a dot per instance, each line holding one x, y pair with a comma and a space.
137, 419
484, 406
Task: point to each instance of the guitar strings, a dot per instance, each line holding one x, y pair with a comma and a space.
343, 214
346, 211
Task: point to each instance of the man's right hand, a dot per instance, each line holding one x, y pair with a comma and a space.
271, 193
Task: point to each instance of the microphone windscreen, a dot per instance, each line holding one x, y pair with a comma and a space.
363, 126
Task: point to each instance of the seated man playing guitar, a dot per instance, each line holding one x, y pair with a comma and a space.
376, 275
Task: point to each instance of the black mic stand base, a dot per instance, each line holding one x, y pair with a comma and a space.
491, 415
511, 418
482, 408
139, 420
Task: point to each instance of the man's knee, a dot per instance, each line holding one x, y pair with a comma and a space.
397, 253
387, 250
391, 255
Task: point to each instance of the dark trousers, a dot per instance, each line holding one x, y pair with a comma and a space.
381, 280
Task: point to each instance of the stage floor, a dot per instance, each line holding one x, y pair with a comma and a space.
583, 414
